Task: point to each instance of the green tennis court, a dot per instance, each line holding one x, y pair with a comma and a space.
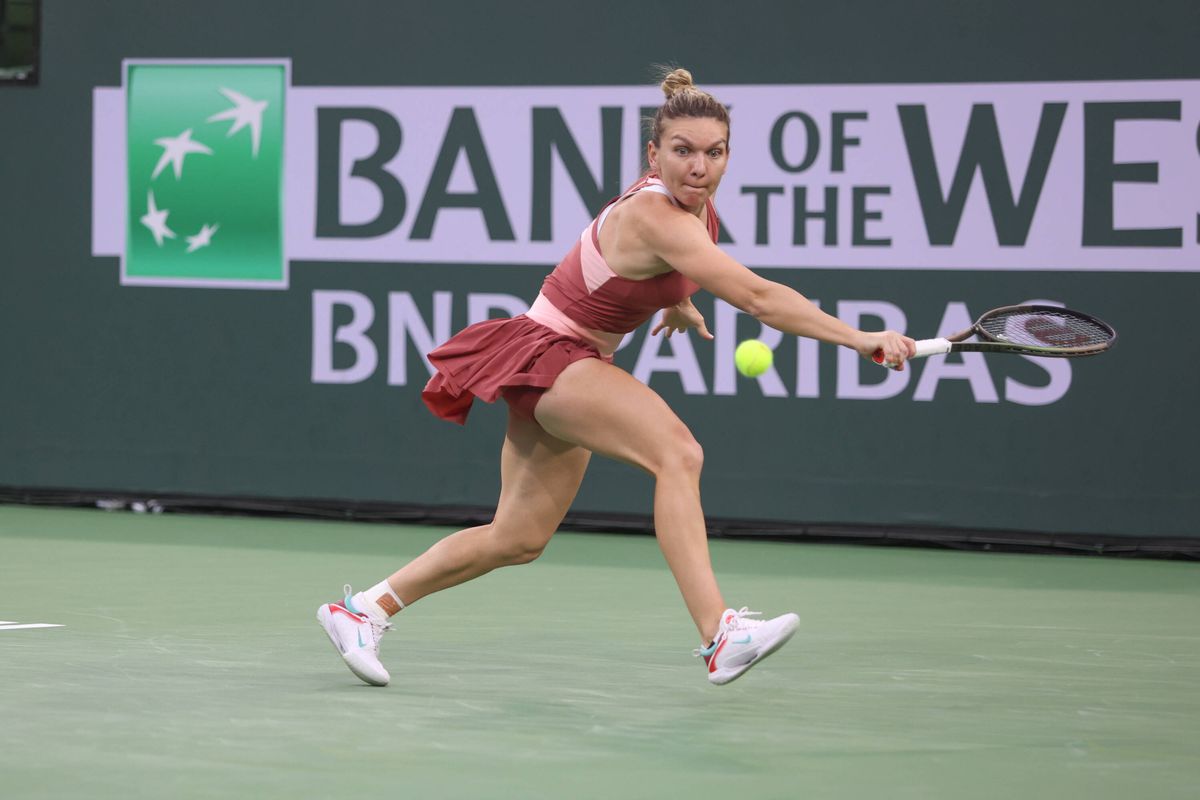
189, 664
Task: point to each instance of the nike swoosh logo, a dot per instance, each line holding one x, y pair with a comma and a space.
743, 641
363, 644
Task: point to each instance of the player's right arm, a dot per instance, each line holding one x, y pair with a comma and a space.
681, 240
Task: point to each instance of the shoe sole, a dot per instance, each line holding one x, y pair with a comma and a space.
322, 615
723, 677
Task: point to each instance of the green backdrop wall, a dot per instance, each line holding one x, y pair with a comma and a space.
112, 385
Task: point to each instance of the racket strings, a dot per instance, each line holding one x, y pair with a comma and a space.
1046, 328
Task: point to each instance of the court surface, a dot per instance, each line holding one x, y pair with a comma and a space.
190, 664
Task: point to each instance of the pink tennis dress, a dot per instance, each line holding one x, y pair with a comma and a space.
583, 311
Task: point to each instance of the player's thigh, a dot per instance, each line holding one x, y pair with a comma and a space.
606, 410
539, 477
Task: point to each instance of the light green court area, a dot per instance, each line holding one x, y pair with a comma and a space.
190, 665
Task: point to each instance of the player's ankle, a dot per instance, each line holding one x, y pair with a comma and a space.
379, 602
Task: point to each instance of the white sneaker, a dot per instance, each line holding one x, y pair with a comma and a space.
356, 637
741, 643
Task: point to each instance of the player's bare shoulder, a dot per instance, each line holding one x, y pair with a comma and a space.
644, 234
628, 216
654, 219
626, 237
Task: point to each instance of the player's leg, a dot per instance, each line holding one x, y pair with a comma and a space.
606, 410
539, 476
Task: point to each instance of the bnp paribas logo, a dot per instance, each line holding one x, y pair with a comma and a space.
204, 164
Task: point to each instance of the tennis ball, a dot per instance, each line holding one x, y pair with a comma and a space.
752, 358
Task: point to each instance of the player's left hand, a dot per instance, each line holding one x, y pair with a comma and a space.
678, 318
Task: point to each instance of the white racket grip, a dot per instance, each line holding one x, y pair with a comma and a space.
931, 347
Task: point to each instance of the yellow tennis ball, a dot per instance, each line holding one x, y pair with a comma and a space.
753, 358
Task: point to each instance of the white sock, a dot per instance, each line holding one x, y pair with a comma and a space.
379, 602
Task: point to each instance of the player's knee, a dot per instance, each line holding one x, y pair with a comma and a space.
692, 457
525, 552
683, 454
514, 550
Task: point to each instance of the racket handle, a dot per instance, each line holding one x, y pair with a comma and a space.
932, 347
925, 347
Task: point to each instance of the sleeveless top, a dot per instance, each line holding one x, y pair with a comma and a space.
585, 298
583, 311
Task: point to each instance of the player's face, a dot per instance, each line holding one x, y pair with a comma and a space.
691, 158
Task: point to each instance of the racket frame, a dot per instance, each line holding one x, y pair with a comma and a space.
956, 343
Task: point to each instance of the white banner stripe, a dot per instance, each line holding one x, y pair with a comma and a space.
1078, 176
8, 627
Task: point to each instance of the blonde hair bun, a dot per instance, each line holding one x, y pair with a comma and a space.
676, 81
684, 99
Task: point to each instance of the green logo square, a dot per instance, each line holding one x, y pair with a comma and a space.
205, 174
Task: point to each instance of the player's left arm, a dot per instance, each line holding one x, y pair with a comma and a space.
682, 241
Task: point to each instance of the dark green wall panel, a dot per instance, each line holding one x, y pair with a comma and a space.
208, 391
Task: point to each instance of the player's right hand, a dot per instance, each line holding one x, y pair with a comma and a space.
895, 348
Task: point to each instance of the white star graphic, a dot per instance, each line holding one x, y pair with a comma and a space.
156, 221
203, 238
174, 150
245, 111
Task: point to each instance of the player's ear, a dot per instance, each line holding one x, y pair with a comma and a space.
651, 155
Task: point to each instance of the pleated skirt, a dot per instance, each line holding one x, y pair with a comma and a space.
515, 358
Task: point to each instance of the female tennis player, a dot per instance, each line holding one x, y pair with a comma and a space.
650, 249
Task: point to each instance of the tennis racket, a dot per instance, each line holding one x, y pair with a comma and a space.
1046, 331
